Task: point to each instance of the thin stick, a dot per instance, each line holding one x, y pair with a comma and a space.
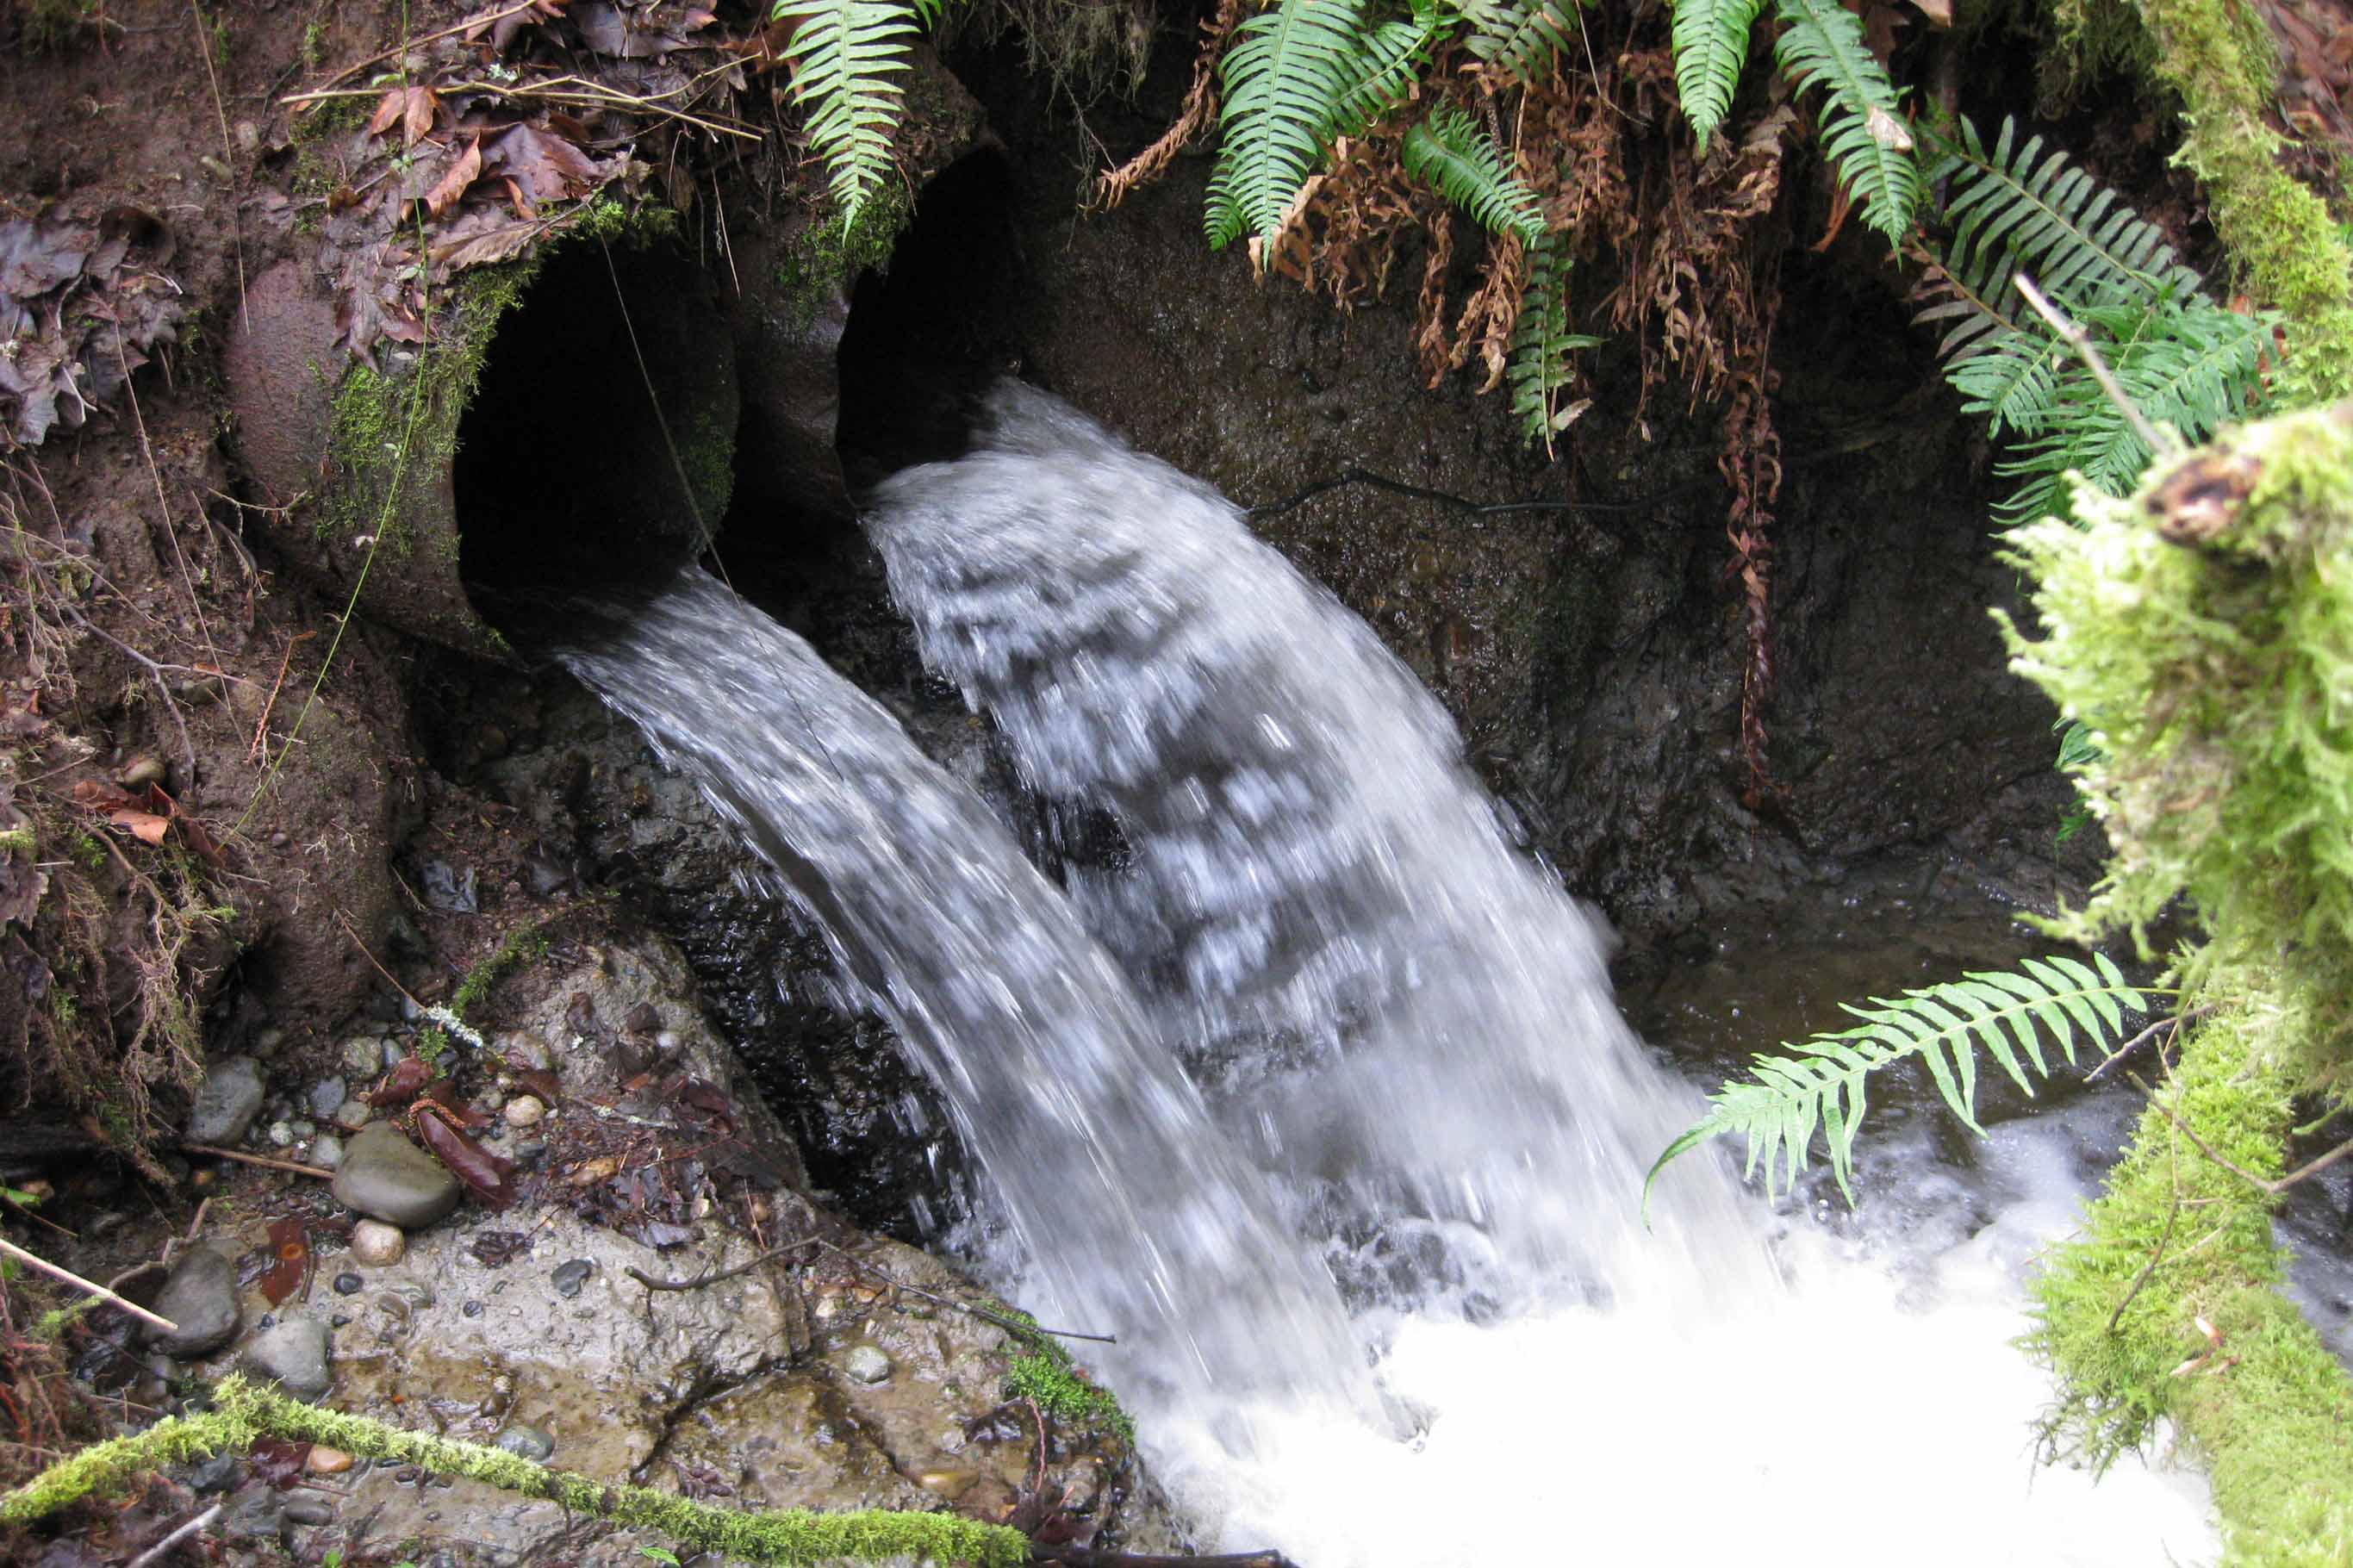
470, 23
77, 1282
2127, 1047
2156, 1253
371, 957
177, 1536
2310, 1168
155, 671
261, 731
267, 1163
2081, 342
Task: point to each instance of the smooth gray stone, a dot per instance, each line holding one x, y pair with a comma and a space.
200, 1295
387, 1177
326, 1096
528, 1441
867, 1365
294, 1355
228, 1104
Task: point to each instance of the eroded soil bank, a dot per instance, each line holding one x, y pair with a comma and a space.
279, 782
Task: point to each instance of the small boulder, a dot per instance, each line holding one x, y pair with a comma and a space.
229, 1101
387, 1177
294, 1355
867, 1363
200, 1295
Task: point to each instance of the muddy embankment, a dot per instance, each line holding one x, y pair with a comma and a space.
282, 778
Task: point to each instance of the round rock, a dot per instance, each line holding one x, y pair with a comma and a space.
528, 1441
294, 1355
377, 1243
866, 1363
387, 1177
326, 1096
229, 1101
525, 1110
200, 1295
327, 1152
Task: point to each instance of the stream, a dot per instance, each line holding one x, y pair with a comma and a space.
1321, 1072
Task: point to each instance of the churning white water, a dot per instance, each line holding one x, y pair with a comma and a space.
1409, 1026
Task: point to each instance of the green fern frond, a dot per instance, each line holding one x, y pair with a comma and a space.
1539, 370
1451, 151
844, 54
1522, 36
2014, 209
1821, 43
1287, 76
1390, 65
1825, 1087
1710, 39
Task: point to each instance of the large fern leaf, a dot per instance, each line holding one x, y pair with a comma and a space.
1710, 40
1821, 44
844, 54
1287, 76
1522, 36
1451, 151
1824, 1085
1539, 369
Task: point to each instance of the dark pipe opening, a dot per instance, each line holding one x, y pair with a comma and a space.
598, 450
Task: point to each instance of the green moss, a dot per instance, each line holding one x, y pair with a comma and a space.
2269, 1409
526, 943
2220, 59
243, 1411
1044, 1372
824, 260
16, 838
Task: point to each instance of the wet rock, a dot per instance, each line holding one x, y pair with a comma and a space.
568, 1278
528, 1441
328, 1461
294, 1355
281, 1134
354, 1115
217, 1474
143, 771
327, 1097
363, 1055
229, 1101
387, 1177
377, 1243
867, 1364
525, 1110
348, 1284
312, 1510
201, 1297
327, 1152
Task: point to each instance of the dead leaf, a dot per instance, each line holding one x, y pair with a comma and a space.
388, 110
462, 171
289, 1252
417, 114
488, 1177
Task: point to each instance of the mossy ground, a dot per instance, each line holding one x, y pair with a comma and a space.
1041, 1370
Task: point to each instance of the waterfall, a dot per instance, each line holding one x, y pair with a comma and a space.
1135, 1214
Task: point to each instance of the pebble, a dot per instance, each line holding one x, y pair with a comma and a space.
353, 1114
267, 1042
348, 1284
327, 1097
201, 1297
327, 1152
524, 1047
867, 1365
293, 1354
143, 771
387, 1177
229, 1101
364, 1054
312, 1510
217, 1474
281, 1134
305, 1129
525, 1110
949, 1484
328, 1461
376, 1244
528, 1441
570, 1276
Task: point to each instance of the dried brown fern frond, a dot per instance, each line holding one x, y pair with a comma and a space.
1199, 114
1430, 339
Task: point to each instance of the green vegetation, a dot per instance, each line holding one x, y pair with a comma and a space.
243, 1412
846, 52
1043, 1370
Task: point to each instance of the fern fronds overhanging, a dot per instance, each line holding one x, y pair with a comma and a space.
1710, 46
1453, 153
1824, 1085
1286, 76
1540, 371
844, 54
1821, 44
1520, 36
1393, 59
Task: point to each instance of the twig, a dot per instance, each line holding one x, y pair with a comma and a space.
2274, 1188
343, 921
2081, 342
2125, 1049
2156, 1253
406, 44
36, 1261
177, 1536
267, 1163
261, 730
155, 672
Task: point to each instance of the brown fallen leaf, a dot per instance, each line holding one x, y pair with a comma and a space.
388, 110
484, 1173
290, 1251
463, 170
417, 114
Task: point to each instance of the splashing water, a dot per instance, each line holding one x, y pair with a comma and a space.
1409, 1026
1134, 1210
